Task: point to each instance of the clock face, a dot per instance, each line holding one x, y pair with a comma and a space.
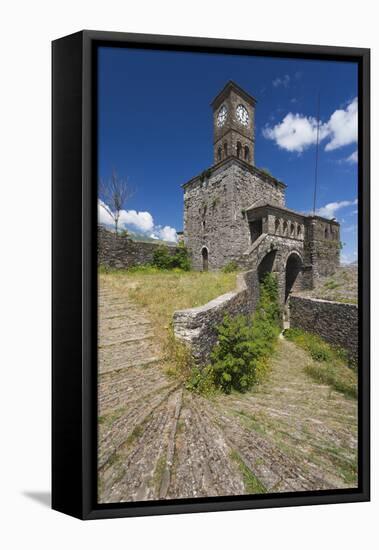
242, 115
221, 117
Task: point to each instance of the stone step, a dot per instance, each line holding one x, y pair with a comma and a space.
127, 364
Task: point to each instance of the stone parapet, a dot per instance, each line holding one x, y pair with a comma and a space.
197, 327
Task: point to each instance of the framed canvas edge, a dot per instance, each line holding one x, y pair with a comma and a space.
86, 507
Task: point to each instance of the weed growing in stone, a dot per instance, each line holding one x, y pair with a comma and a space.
252, 484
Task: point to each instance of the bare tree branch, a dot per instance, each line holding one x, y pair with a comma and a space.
115, 193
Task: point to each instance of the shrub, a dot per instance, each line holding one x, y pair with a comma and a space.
201, 380
164, 260
181, 258
233, 358
239, 360
162, 257
230, 267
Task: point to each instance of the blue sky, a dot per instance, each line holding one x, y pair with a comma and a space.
155, 128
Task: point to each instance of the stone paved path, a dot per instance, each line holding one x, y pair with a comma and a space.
158, 441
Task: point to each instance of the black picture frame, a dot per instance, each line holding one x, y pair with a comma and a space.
74, 333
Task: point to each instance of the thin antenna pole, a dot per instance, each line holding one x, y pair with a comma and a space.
317, 145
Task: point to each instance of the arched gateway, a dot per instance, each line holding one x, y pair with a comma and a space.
293, 272
288, 266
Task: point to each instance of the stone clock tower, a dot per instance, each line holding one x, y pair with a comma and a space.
233, 124
236, 212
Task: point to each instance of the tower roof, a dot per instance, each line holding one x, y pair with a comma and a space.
229, 86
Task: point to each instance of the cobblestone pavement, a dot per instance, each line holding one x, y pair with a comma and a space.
159, 441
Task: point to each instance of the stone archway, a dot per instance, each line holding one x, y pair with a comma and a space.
293, 271
266, 265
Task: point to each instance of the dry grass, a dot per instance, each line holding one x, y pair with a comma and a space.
161, 293
340, 287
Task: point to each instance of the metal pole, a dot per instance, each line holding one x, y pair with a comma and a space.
317, 146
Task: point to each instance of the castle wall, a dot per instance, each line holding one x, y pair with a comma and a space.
118, 251
336, 322
322, 246
214, 211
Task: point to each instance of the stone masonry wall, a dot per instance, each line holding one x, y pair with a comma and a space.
121, 252
336, 322
322, 246
197, 327
214, 211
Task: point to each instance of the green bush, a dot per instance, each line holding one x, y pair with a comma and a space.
239, 360
162, 258
230, 267
181, 258
201, 380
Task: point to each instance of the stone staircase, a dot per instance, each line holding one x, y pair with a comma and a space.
157, 440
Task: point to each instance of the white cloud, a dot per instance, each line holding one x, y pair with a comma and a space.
353, 158
343, 126
102, 214
297, 132
281, 81
330, 209
166, 233
142, 222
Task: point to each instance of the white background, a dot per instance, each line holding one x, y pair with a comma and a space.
26, 31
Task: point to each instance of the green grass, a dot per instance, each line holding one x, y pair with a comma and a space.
329, 366
252, 484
